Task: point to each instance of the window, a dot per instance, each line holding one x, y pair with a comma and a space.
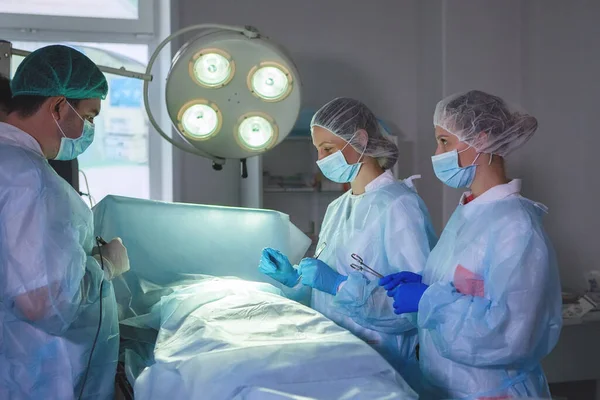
86, 16
117, 9
117, 161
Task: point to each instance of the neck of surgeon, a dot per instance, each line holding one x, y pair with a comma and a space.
40, 125
369, 171
36, 127
489, 174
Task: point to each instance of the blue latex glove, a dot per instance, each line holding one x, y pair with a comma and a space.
392, 281
407, 297
316, 274
277, 266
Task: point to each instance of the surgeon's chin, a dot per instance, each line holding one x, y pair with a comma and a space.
51, 152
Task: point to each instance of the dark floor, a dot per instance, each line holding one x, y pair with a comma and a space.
584, 390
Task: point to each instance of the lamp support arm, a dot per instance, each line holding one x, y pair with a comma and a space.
7, 51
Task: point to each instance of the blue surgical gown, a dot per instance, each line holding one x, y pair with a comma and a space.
50, 286
390, 229
493, 309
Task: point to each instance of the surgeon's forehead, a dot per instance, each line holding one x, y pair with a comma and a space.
321, 136
318, 135
441, 132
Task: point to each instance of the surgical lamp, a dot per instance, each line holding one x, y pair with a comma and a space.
230, 92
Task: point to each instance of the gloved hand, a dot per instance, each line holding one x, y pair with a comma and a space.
407, 297
277, 266
316, 274
115, 258
392, 281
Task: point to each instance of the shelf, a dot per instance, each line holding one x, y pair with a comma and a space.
298, 190
289, 190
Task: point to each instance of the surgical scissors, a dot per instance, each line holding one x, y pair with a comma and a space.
363, 267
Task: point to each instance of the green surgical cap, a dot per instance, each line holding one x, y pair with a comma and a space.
59, 71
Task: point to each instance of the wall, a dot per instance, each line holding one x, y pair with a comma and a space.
561, 88
430, 90
401, 57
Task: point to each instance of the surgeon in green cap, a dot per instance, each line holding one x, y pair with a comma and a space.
59, 335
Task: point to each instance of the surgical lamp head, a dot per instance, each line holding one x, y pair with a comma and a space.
232, 93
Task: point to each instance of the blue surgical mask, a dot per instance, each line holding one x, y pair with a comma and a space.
70, 149
448, 170
336, 168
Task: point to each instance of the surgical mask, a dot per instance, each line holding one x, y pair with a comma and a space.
69, 148
336, 168
448, 170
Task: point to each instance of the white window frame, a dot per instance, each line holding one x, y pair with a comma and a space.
143, 25
160, 152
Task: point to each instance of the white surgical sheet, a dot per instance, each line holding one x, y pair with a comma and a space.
226, 338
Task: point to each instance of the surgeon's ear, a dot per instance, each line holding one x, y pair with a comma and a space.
57, 107
482, 137
362, 137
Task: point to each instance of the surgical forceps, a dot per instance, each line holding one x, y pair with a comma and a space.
317, 254
361, 266
320, 249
